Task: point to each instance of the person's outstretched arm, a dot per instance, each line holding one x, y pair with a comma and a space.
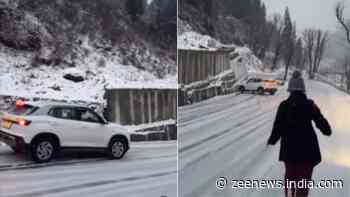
320, 121
277, 127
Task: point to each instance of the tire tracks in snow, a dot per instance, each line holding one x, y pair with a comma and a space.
227, 166
239, 136
32, 165
89, 185
93, 176
190, 115
195, 157
224, 117
243, 122
232, 113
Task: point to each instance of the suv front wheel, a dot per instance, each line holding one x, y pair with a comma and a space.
117, 148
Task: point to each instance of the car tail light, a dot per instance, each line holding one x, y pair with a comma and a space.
19, 121
20, 103
23, 122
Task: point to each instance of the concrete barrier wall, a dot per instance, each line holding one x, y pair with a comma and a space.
199, 65
140, 106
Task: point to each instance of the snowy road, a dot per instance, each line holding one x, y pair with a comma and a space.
149, 169
226, 136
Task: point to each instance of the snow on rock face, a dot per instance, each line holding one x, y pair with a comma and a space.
243, 60
194, 40
244, 56
143, 83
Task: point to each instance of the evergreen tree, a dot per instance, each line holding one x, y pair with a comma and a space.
299, 54
288, 40
135, 8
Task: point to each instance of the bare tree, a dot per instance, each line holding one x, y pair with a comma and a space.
288, 38
309, 37
277, 42
346, 67
321, 39
267, 32
339, 12
315, 41
298, 59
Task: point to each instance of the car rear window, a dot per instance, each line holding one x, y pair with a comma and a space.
23, 110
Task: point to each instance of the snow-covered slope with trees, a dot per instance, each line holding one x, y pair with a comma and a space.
46, 45
17, 78
243, 60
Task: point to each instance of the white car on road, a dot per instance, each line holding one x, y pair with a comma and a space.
45, 129
258, 85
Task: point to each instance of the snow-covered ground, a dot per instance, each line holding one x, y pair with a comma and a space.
226, 137
150, 125
193, 40
148, 170
333, 79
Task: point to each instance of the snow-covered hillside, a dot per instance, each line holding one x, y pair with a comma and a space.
243, 61
19, 78
45, 45
194, 40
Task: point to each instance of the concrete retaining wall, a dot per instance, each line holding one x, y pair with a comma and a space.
199, 65
140, 106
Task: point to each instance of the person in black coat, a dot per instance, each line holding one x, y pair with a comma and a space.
299, 145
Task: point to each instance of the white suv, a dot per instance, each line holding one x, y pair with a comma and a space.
45, 129
258, 85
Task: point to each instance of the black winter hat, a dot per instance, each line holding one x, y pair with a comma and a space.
296, 83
